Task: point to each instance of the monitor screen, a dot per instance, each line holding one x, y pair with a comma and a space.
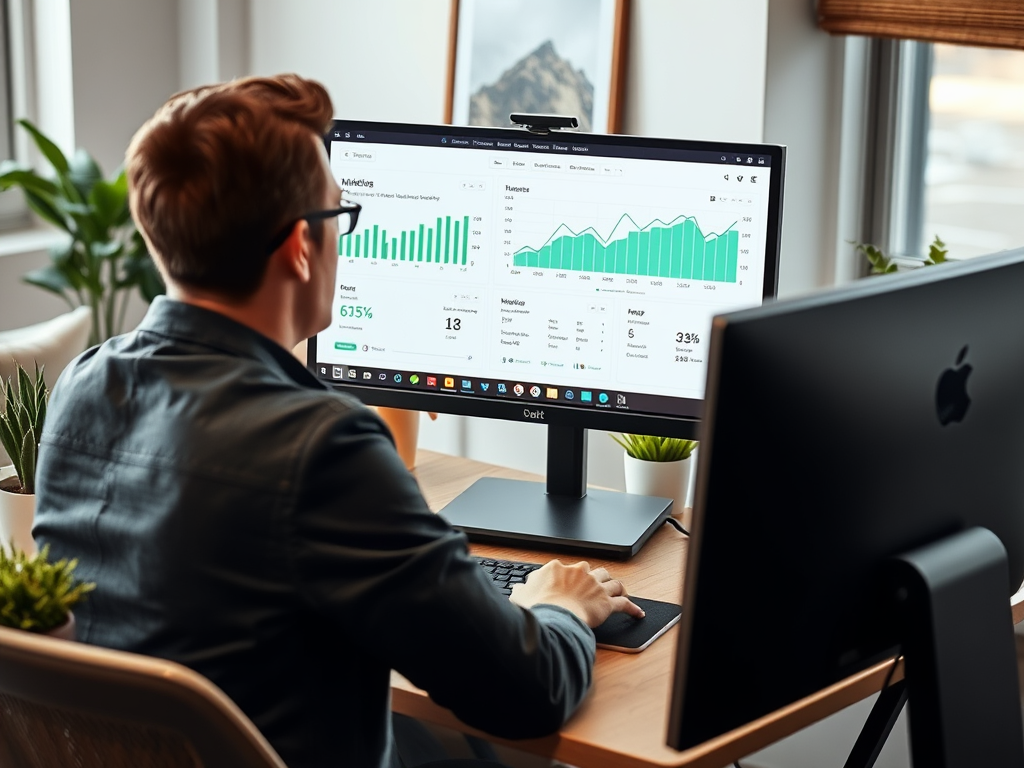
564, 278
863, 423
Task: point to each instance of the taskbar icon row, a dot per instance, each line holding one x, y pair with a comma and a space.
463, 385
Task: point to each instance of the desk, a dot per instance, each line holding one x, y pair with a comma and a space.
622, 723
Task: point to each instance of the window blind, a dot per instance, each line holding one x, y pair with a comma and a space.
998, 23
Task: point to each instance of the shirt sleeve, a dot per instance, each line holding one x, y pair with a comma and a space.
397, 579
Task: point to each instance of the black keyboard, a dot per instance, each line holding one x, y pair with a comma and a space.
506, 573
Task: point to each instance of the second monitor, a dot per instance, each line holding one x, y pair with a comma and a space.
566, 280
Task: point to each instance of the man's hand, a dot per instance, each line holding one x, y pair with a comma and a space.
593, 595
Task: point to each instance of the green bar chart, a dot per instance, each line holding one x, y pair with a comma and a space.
443, 241
677, 249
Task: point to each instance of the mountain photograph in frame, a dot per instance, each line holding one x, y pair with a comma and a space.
563, 57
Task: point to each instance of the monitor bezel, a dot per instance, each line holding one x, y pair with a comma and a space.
668, 425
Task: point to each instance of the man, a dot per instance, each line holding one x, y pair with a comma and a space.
238, 517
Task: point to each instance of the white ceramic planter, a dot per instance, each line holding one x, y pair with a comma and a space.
17, 511
668, 479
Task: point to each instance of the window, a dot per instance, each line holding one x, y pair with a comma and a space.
13, 210
953, 166
974, 177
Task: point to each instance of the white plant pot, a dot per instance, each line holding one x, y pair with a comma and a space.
668, 479
17, 511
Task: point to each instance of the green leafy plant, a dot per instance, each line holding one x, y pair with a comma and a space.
651, 448
21, 422
880, 264
106, 256
35, 594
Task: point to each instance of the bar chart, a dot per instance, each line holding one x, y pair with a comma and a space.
444, 240
676, 249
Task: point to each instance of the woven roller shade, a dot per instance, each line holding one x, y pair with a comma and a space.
998, 23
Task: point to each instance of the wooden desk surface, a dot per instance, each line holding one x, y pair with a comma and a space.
622, 724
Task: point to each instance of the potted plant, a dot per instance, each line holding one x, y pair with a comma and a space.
21, 426
658, 466
880, 264
106, 256
37, 595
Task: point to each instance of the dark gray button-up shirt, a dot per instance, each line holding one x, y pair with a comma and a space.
239, 518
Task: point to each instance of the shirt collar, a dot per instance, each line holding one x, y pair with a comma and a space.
198, 325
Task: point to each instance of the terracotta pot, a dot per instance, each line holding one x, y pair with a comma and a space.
17, 511
405, 428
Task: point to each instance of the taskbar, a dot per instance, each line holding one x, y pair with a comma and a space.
509, 389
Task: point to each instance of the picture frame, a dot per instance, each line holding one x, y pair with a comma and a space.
499, 47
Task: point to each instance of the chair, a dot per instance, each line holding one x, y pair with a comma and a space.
64, 703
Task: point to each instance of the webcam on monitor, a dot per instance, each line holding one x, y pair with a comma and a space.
543, 123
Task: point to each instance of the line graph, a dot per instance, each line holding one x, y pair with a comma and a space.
676, 249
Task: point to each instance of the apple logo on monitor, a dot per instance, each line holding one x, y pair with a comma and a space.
951, 400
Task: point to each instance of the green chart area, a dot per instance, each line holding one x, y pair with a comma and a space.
444, 241
678, 249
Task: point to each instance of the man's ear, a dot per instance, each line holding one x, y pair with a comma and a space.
296, 252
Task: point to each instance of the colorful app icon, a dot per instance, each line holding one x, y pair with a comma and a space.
602, 398
484, 386
552, 393
586, 396
501, 388
569, 394
535, 390
431, 381
519, 389
398, 378
449, 382
414, 379
467, 384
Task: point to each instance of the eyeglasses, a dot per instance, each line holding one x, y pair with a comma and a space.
347, 213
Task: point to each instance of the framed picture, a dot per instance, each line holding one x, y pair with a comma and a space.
563, 57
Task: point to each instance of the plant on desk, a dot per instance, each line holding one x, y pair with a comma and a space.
21, 425
37, 595
657, 466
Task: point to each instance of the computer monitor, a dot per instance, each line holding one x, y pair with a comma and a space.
565, 279
858, 446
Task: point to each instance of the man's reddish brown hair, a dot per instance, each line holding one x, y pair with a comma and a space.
218, 170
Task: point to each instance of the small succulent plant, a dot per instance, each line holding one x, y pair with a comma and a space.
21, 422
35, 594
651, 448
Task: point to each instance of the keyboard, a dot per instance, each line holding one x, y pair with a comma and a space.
506, 573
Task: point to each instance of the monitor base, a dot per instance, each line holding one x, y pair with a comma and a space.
518, 513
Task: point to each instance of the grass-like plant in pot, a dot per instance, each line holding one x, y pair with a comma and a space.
37, 595
21, 425
658, 466
106, 256
652, 448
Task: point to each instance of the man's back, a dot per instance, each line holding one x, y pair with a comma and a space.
242, 520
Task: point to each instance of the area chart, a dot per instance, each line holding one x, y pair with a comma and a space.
678, 250
446, 242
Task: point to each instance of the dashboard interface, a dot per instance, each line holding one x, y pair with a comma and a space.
570, 268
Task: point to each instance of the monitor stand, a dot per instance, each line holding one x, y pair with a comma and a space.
565, 515
960, 656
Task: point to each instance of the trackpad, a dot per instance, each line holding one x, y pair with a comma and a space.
624, 633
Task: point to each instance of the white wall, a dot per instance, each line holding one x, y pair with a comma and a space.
125, 64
